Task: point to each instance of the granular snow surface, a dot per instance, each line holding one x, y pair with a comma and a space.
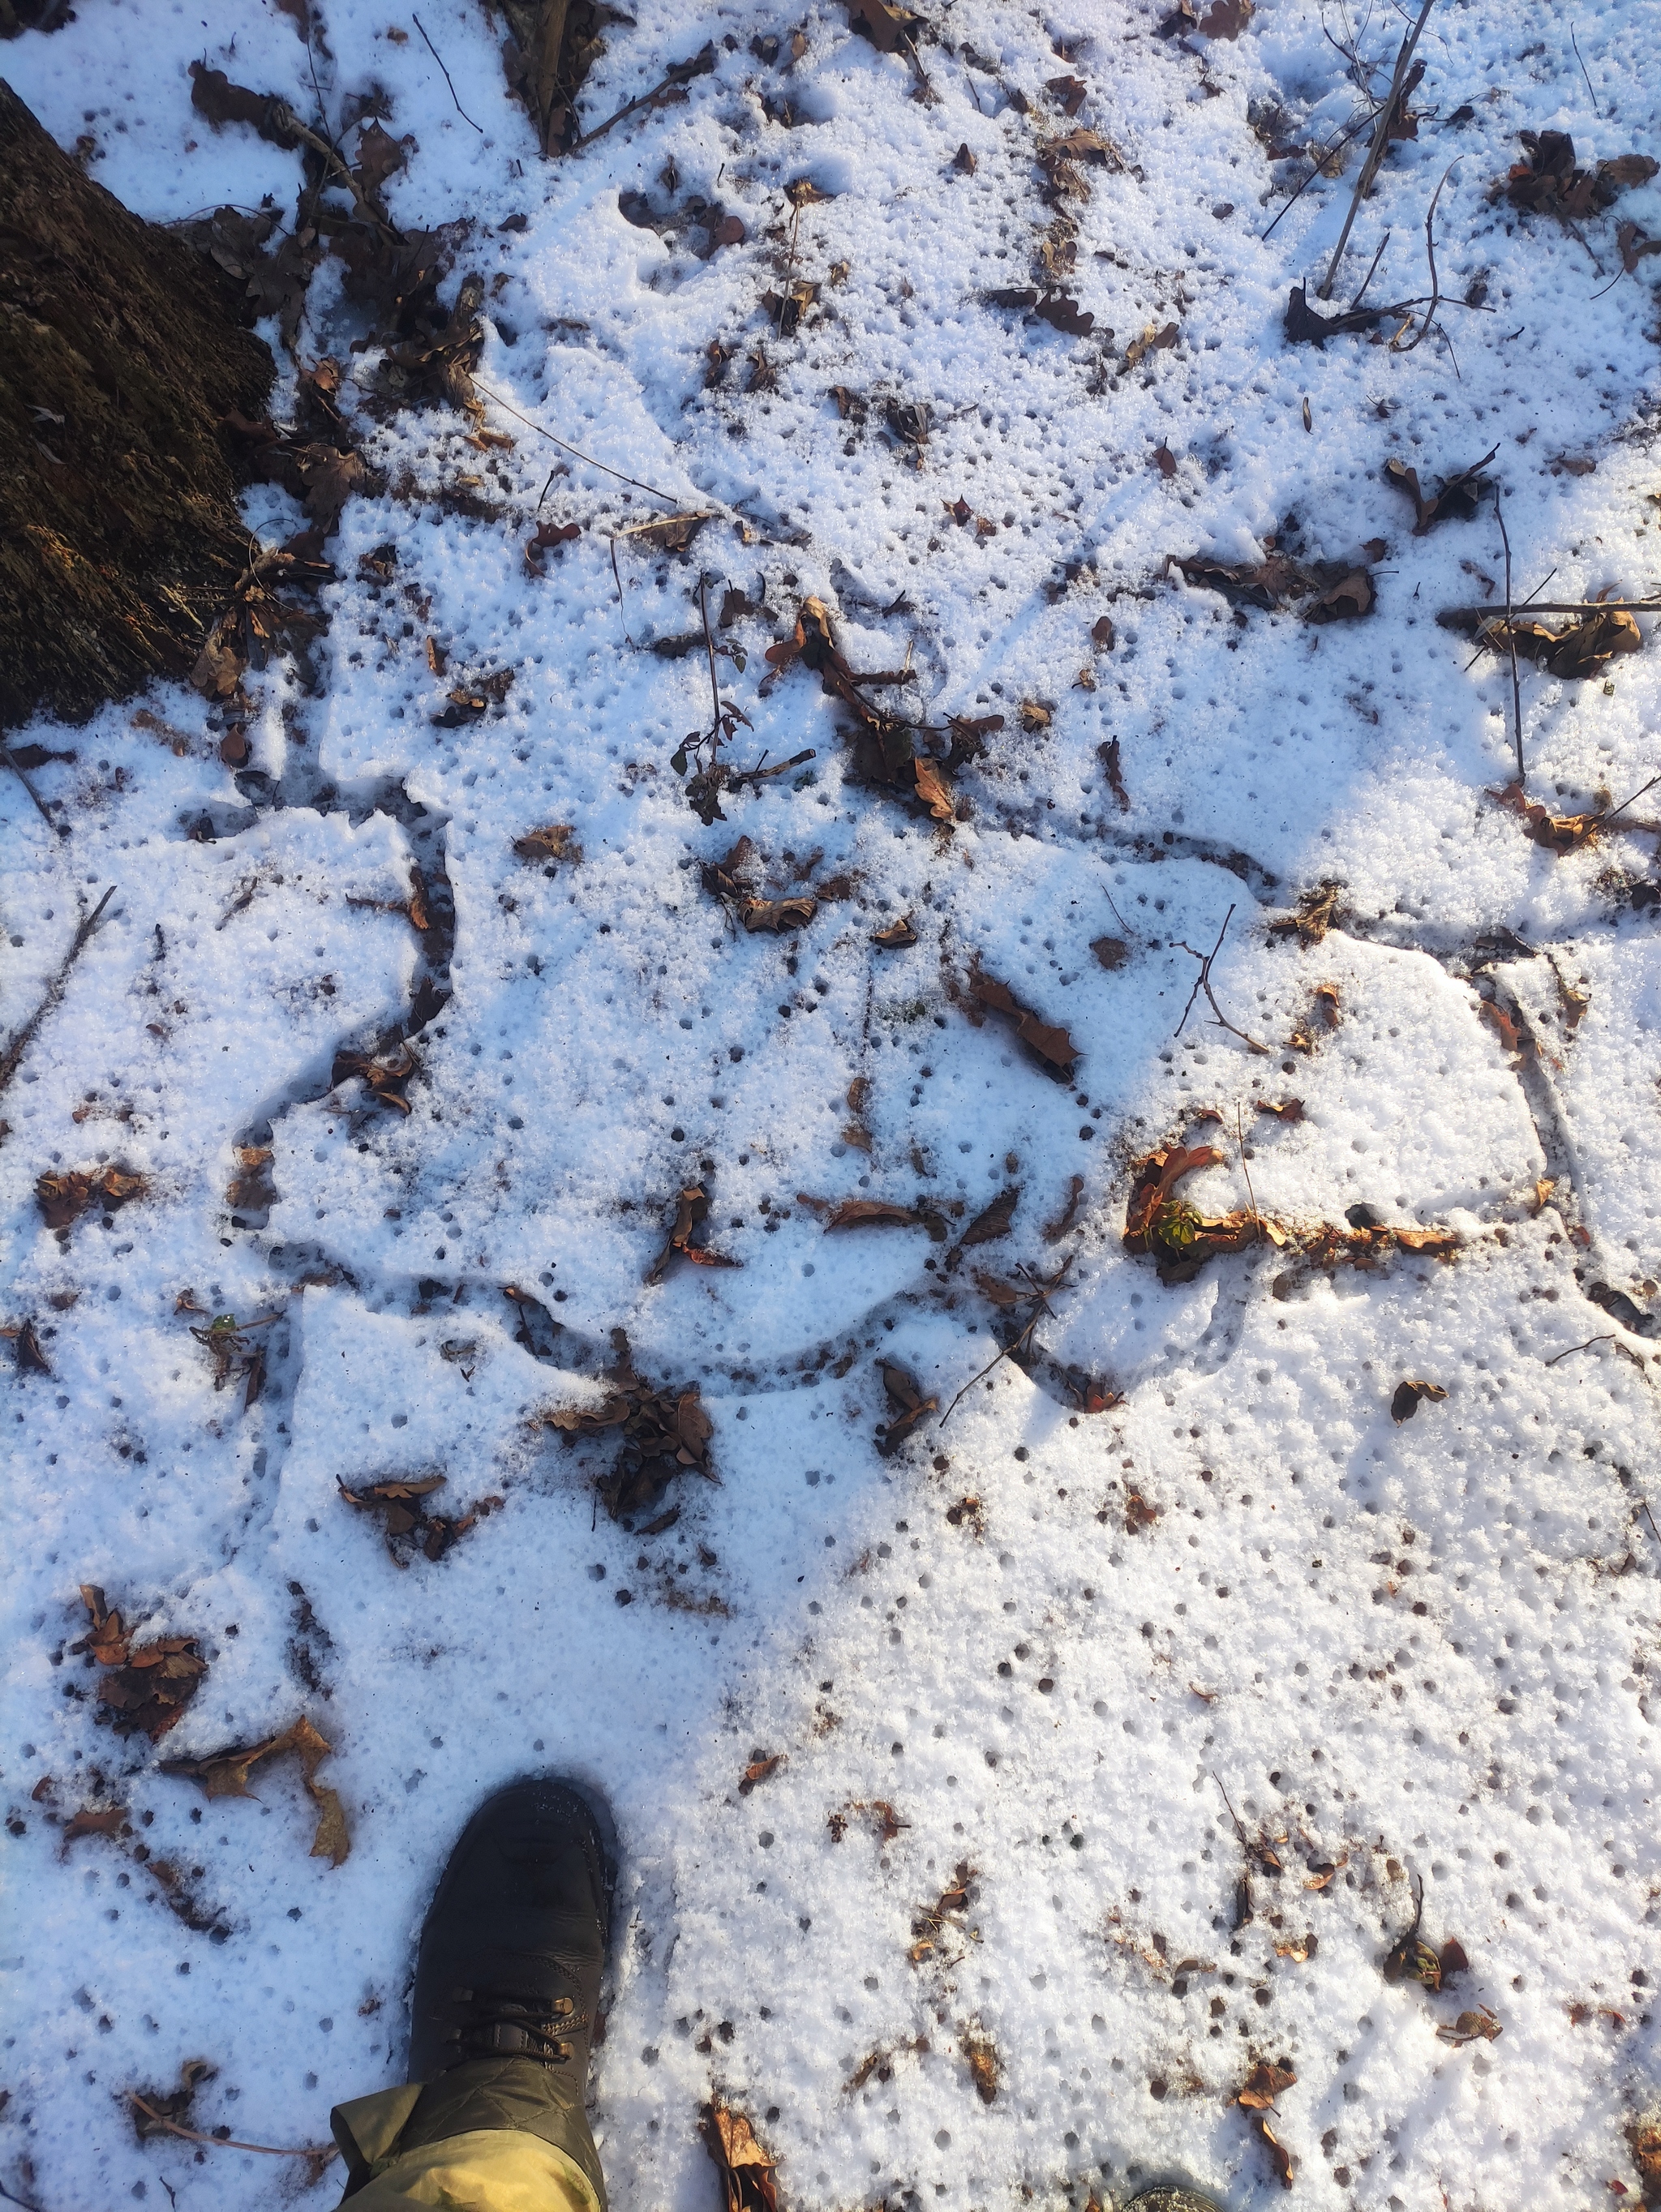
1113, 1746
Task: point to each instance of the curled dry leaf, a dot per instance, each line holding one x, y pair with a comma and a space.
1549, 181
898, 937
555, 842
1264, 2084
1156, 338
225, 1774
409, 1526
777, 914
873, 1213
1479, 2027
1140, 1512
884, 1822
1317, 913
763, 1766
1405, 1402
1053, 1231
691, 1211
1458, 499
993, 1221
747, 2171
910, 1404
1304, 326
31, 1359
386, 1075
1280, 2156
984, 2066
1347, 600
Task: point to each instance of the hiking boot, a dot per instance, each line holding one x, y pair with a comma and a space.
507, 1986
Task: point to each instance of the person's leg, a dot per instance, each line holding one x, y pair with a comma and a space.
507, 1987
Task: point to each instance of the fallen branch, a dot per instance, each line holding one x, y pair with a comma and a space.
448, 80
1511, 633
680, 73
1202, 983
1376, 151
12, 1058
320, 2153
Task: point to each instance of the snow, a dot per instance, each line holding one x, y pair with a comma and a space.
1417, 1652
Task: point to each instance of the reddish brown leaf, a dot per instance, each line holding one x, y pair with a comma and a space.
1405, 1403
1263, 2084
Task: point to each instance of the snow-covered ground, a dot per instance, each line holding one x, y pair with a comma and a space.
1410, 1652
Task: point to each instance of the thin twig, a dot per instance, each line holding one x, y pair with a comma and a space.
1485, 614
1510, 634
564, 447
1041, 1291
12, 1058
57, 829
758, 774
789, 269
709, 648
622, 615
1239, 1132
1423, 331
679, 74
438, 58
1590, 94
320, 2153
1607, 1337
1376, 152
1633, 801
23, 2201
1320, 160
1644, 1508
1202, 983
1372, 272
1569, 606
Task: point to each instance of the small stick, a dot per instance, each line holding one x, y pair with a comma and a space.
789, 270
1041, 1291
438, 58
1202, 983
1510, 634
1607, 1337
1320, 160
1239, 1132
320, 2153
1376, 152
12, 1058
1570, 606
1633, 801
679, 73
577, 450
1487, 615
1644, 1508
1372, 272
618, 580
1592, 95
58, 830
1423, 331
758, 774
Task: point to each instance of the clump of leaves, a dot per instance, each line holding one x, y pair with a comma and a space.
879, 1815
746, 2171
930, 1922
62, 1199
1264, 2084
660, 1434
1583, 647
885, 744
385, 1074
409, 1526
1479, 2027
1176, 1234
238, 1355
1411, 1959
1550, 181
1050, 1044
1305, 326
1317, 913
1409, 1395
149, 1685
686, 1236
1458, 499
225, 1774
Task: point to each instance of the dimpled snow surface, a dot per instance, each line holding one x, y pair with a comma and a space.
1028, 1333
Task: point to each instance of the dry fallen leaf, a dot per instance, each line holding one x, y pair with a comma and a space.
1264, 2084
898, 937
557, 841
1050, 1043
1405, 1403
149, 1685
746, 2170
983, 2065
225, 1774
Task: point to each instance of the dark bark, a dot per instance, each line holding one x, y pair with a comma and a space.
120, 354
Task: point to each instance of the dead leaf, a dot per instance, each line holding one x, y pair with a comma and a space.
1140, 1512
108, 1822
1225, 19
31, 1359
898, 937
873, 1213
1351, 596
747, 2171
691, 1211
379, 156
777, 914
906, 1395
983, 2066
761, 1766
993, 1221
384, 1076
63, 1198
555, 842
932, 789
1317, 912
1051, 1044
1459, 498
964, 161
1108, 754
1157, 1222
549, 535
1053, 1231
225, 1774
1165, 460
1278, 2152
1035, 715
1264, 2084
1480, 2026
1102, 634
1112, 952
1405, 1403
660, 1434
1305, 327
885, 25
1156, 338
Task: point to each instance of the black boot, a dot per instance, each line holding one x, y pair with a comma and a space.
508, 1981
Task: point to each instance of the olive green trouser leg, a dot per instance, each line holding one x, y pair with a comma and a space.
496, 2135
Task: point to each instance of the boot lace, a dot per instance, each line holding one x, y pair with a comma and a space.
497, 2024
